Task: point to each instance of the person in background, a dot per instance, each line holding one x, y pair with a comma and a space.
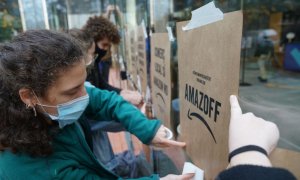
105, 34
265, 51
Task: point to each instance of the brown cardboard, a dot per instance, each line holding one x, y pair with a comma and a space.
142, 59
161, 77
287, 159
209, 63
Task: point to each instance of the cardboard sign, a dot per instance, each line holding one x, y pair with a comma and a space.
142, 59
161, 77
287, 159
209, 63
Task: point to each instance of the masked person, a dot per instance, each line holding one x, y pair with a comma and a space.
125, 164
265, 51
44, 107
105, 34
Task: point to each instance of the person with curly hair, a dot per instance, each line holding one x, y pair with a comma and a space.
105, 34
44, 107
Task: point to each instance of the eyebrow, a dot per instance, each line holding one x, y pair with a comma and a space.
76, 87
73, 89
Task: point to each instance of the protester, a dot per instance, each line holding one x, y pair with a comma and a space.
105, 34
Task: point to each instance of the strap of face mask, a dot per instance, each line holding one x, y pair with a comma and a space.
42, 105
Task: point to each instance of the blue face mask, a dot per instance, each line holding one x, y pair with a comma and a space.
69, 112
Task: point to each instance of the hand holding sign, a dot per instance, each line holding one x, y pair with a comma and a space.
161, 139
247, 129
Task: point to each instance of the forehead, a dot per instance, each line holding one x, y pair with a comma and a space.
68, 78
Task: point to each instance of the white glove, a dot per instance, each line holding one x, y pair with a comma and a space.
160, 139
178, 177
247, 129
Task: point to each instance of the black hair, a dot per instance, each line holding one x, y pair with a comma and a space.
34, 60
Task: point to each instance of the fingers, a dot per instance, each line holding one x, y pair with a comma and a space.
235, 107
187, 176
169, 142
275, 134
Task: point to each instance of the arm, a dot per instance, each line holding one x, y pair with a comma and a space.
247, 129
249, 172
109, 105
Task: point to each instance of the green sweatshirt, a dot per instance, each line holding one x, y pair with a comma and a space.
72, 157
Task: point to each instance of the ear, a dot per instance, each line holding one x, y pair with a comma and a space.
27, 96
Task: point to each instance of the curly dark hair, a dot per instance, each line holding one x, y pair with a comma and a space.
33, 60
99, 28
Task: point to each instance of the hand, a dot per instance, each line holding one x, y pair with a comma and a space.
160, 139
178, 177
110, 8
133, 97
247, 129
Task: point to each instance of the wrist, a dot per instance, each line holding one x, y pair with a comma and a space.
250, 158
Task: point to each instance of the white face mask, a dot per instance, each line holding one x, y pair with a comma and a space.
69, 112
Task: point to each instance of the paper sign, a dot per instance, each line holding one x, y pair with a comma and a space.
209, 63
204, 15
191, 168
161, 77
142, 59
170, 33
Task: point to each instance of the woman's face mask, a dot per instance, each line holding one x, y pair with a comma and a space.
101, 52
101, 47
68, 112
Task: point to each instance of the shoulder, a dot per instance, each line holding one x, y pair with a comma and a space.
20, 165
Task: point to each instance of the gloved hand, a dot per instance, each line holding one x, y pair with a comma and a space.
247, 129
178, 177
160, 139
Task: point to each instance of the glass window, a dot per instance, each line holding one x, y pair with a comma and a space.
10, 20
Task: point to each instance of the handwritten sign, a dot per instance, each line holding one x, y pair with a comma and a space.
142, 59
161, 77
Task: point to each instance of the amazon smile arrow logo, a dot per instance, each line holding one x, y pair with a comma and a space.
198, 116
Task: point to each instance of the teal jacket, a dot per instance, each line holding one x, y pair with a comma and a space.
72, 157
